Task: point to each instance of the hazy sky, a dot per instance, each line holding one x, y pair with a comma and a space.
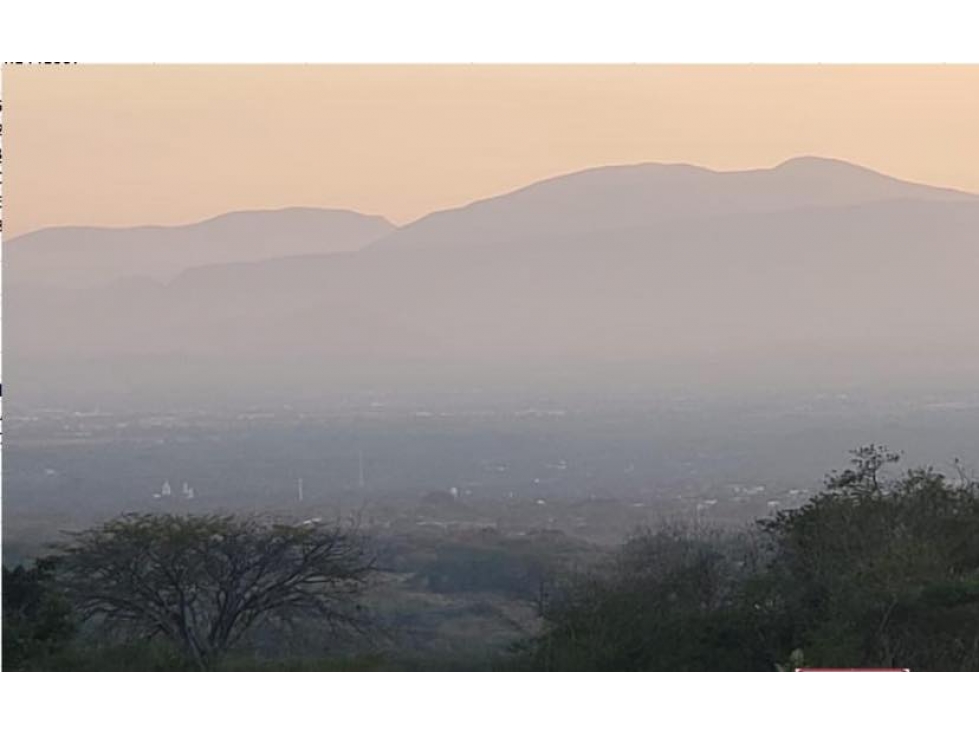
122, 145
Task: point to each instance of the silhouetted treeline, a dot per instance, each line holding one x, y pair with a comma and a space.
871, 573
879, 570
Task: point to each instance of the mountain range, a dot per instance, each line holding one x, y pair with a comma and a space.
815, 270
75, 257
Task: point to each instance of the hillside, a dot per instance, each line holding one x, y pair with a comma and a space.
76, 257
814, 265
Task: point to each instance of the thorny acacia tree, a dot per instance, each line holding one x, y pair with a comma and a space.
203, 581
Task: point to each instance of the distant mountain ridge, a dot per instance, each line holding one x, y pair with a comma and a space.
653, 266
86, 256
615, 197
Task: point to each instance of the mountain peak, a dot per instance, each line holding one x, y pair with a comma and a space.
825, 166
648, 194
83, 256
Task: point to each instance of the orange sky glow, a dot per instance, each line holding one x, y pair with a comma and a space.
169, 144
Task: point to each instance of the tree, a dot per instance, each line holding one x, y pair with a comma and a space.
881, 572
867, 464
202, 582
36, 619
668, 599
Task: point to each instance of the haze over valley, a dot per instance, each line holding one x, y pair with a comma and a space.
733, 321
500, 393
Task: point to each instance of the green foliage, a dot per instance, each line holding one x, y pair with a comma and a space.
879, 570
37, 621
467, 568
670, 600
520, 568
874, 572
